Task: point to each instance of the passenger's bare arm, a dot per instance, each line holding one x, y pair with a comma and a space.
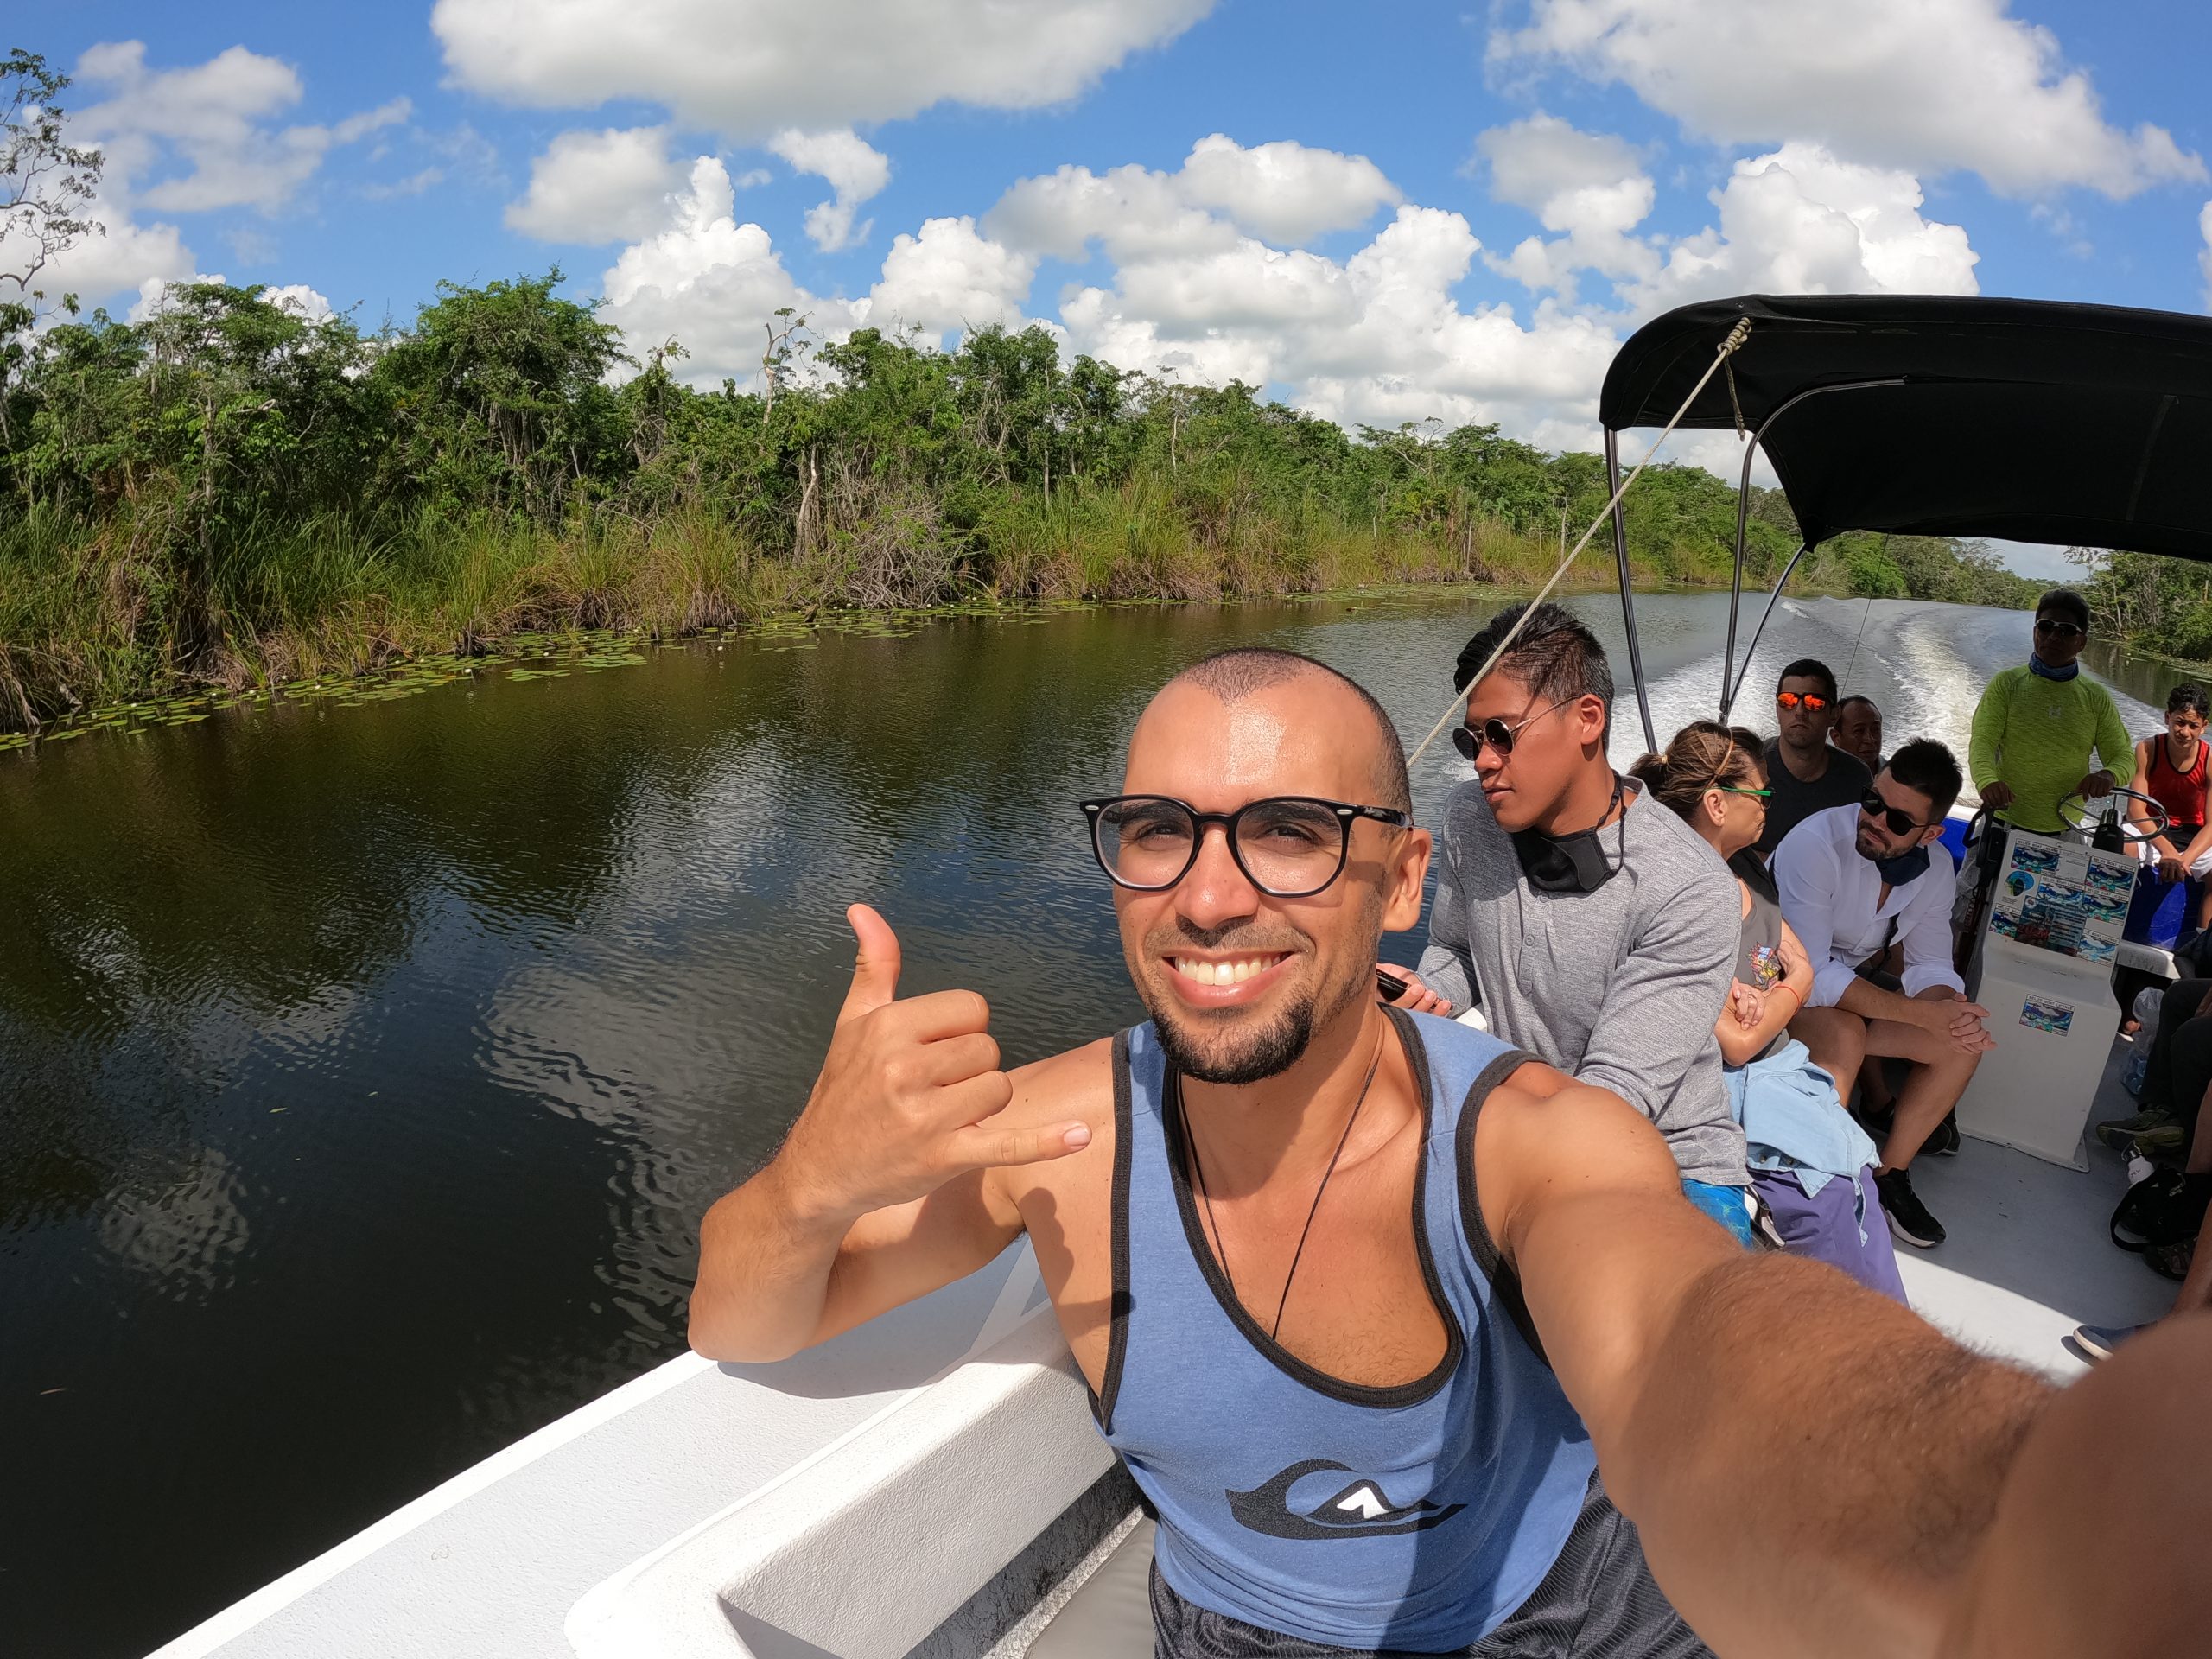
1943, 1012
2195, 850
881, 1191
2099, 1541
1782, 1002
1813, 1467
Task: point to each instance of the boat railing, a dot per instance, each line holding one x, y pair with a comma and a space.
945, 1521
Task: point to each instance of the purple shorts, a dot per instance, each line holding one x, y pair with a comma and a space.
1842, 1226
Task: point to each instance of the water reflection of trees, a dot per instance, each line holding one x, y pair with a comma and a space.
367, 1069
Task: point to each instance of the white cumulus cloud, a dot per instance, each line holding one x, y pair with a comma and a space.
1801, 221
1192, 279
1285, 192
1796, 220
1133, 212
2204, 258
853, 168
752, 67
711, 282
1379, 337
182, 141
213, 116
716, 284
302, 301
1926, 86
1282, 193
610, 186
118, 256
1591, 186
949, 276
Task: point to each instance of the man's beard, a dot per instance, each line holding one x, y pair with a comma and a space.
1226, 1046
1248, 1056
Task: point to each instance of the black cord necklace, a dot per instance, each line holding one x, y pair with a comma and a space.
1206, 1198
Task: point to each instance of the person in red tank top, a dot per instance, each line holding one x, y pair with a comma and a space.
2174, 770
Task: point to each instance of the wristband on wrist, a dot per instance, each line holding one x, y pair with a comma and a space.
1801, 1001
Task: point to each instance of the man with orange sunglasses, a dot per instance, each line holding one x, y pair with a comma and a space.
1806, 772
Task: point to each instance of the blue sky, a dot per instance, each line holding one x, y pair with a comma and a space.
1354, 240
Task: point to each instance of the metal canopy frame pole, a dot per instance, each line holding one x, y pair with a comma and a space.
1736, 581
1728, 700
1728, 668
1628, 593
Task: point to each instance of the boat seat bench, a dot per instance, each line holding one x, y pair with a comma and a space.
1110, 1616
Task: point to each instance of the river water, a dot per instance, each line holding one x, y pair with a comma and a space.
364, 1071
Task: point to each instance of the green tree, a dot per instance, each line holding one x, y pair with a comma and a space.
46, 186
500, 400
230, 483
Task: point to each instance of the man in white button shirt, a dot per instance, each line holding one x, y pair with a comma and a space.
1854, 880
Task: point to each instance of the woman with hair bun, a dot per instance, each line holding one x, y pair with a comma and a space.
1810, 1163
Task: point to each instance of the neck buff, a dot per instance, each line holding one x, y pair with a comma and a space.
1904, 867
1572, 863
2043, 671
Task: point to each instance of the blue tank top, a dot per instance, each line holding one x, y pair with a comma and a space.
1417, 1515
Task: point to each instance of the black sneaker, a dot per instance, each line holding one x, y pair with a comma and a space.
2119, 1132
1909, 1221
2097, 1342
1943, 1140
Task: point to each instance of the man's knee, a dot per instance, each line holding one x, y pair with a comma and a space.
1826, 1024
1838, 1047
2183, 1000
1957, 1061
2190, 1062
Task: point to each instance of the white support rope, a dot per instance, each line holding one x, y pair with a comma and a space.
1727, 349
1865, 616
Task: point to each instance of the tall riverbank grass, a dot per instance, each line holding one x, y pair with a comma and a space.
225, 494
97, 613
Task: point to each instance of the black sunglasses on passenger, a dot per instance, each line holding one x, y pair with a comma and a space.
1900, 821
1287, 846
2047, 629
1812, 700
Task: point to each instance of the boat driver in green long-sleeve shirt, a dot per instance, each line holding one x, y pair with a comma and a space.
2036, 725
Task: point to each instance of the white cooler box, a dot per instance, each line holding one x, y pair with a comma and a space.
2047, 956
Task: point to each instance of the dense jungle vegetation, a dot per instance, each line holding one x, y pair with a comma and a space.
231, 490
2148, 603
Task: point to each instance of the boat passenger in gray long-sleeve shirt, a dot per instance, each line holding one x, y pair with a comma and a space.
1608, 951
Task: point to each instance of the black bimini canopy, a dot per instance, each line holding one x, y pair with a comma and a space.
2077, 425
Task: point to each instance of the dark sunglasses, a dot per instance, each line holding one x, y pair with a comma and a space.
1900, 821
2046, 627
1812, 700
1468, 740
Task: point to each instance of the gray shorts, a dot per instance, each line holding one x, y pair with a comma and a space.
1598, 1602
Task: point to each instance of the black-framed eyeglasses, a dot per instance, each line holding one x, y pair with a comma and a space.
2045, 628
1900, 821
1288, 846
1469, 739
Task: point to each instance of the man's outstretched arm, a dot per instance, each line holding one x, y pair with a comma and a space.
881, 1192
2099, 1541
1813, 1469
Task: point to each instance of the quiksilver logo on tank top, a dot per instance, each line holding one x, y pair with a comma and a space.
1359, 1509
